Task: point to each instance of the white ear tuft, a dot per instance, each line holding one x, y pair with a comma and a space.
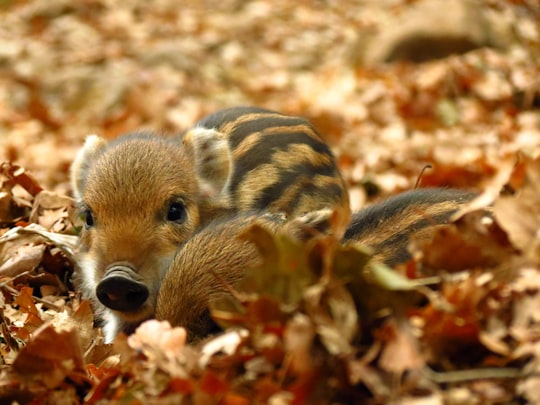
82, 162
213, 161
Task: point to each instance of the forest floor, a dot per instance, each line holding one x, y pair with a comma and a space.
468, 120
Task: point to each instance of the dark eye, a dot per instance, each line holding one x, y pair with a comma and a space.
88, 218
177, 212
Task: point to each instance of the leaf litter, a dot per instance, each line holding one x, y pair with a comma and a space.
318, 323
310, 337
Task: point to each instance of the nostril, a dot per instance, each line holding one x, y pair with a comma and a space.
121, 293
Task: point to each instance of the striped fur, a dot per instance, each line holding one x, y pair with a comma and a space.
191, 285
278, 163
143, 195
387, 226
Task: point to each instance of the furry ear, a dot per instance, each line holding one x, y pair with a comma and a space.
82, 162
213, 160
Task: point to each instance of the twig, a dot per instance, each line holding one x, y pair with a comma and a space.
474, 374
419, 178
48, 304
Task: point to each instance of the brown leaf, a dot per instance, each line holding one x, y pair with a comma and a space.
25, 301
235, 399
526, 305
154, 338
519, 215
332, 310
50, 356
455, 333
475, 241
212, 384
52, 211
264, 310
83, 321
181, 385
23, 259
6, 201
401, 350
104, 377
13, 174
10, 340
505, 171
285, 270
298, 340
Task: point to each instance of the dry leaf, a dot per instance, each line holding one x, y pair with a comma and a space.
25, 258
50, 357
401, 350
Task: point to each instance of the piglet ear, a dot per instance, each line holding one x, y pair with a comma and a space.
82, 163
213, 160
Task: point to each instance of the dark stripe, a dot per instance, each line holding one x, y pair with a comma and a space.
403, 235
290, 179
302, 172
217, 119
329, 193
369, 219
269, 119
260, 124
262, 152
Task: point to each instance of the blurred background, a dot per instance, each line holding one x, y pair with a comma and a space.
393, 85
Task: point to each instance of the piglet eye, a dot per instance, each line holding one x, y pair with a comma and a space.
177, 212
88, 218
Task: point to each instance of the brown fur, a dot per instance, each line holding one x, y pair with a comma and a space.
275, 163
190, 285
237, 160
129, 205
214, 259
386, 227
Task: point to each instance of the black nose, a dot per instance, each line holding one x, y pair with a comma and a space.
119, 291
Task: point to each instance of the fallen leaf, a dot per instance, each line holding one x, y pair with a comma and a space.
50, 357
52, 211
24, 259
298, 340
401, 349
519, 215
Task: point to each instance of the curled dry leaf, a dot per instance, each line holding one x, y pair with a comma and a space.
298, 340
67, 243
463, 334
11, 175
22, 259
474, 241
401, 351
82, 320
285, 271
332, 310
53, 211
6, 202
226, 343
154, 336
519, 215
17, 191
49, 357
505, 169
